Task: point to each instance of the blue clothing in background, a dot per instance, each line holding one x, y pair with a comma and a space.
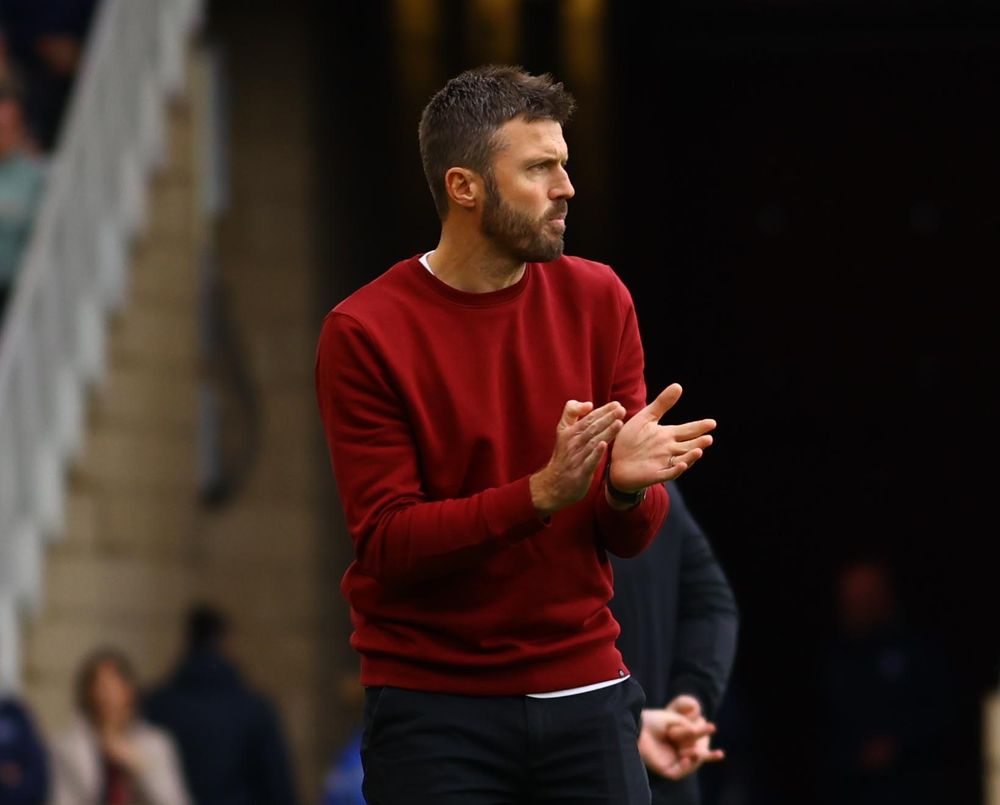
24, 766
22, 179
343, 783
230, 737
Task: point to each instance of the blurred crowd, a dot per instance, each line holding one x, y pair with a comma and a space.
882, 713
41, 47
201, 735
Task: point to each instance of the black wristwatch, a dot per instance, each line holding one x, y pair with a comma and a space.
631, 498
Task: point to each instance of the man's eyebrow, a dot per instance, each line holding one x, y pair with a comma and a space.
547, 159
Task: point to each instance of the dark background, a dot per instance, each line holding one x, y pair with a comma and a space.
803, 198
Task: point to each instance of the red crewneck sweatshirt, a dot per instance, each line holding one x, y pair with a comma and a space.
438, 405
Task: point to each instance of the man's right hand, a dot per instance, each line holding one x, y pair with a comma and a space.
582, 438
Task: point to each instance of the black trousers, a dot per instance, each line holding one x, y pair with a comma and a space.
675, 792
444, 749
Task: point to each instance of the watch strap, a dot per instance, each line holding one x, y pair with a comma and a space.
632, 498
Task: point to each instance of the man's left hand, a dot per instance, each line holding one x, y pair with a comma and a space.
646, 453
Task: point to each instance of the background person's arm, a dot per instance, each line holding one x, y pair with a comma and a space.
708, 618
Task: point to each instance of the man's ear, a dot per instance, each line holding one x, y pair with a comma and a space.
465, 187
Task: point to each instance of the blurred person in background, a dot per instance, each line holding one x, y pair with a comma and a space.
230, 737
679, 625
24, 762
22, 180
888, 700
44, 41
6, 68
343, 783
110, 755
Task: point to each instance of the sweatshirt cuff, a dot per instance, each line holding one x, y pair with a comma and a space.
510, 513
649, 513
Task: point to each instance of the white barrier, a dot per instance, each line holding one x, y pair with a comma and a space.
73, 274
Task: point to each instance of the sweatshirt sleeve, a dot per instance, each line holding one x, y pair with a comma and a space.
627, 533
399, 535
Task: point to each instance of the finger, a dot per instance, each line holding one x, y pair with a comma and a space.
664, 402
687, 732
670, 473
678, 465
679, 769
572, 411
614, 405
593, 424
695, 764
606, 435
689, 752
689, 458
713, 756
690, 734
692, 722
591, 461
692, 430
685, 704
702, 443
680, 450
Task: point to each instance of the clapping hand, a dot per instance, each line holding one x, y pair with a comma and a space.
646, 452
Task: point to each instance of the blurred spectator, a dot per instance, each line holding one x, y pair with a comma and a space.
44, 41
21, 182
110, 756
888, 701
6, 68
24, 764
343, 781
230, 736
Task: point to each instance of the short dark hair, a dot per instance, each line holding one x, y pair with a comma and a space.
206, 626
459, 124
87, 673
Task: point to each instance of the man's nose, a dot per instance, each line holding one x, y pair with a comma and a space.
563, 188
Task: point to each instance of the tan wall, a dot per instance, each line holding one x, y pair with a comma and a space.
139, 548
991, 749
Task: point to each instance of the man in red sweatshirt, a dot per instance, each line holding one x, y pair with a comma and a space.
486, 414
